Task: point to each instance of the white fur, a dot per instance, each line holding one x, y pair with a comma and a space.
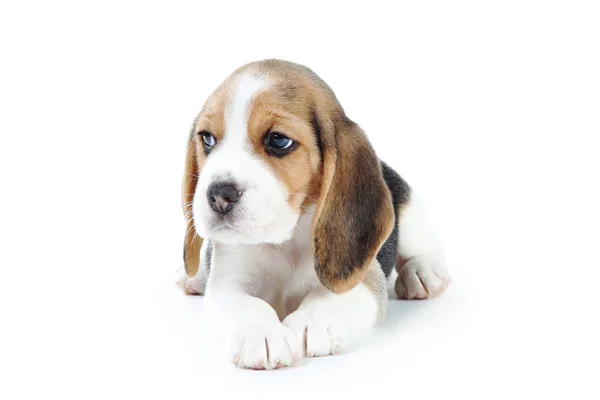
263, 214
262, 269
251, 288
326, 323
424, 274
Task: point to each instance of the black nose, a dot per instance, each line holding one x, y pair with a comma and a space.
223, 196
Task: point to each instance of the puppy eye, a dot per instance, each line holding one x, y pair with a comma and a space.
278, 144
279, 141
208, 139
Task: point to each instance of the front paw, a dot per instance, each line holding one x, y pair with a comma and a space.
269, 346
319, 333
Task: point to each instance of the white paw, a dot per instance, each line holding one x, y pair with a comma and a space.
194, 285
421, 278
268, 346
318, 332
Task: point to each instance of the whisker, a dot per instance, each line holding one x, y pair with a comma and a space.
191, 226
305, 195
309, 212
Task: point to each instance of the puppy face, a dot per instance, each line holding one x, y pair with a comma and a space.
270, 141
259, 156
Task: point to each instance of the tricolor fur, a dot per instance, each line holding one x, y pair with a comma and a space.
298, 243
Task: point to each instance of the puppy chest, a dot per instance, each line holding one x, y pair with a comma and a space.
296, 279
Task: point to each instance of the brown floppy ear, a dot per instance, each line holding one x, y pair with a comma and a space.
354, 214
192, 242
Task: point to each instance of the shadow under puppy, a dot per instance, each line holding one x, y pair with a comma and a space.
294, 224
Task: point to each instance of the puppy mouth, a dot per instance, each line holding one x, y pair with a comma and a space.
229, 233
228, 225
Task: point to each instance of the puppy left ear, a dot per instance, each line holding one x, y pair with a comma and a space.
192, 242
354, 214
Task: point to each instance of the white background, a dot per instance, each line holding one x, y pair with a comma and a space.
491, 110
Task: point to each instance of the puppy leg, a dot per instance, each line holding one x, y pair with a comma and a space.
421, 263
327, 323
255, 336
196, 285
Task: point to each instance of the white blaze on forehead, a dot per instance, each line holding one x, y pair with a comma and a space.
263, 213
238, 109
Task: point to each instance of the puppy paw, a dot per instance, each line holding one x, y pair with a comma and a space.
192, 286
319, 334
264, 347
420, 278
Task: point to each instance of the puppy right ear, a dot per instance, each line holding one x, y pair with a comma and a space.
192, 242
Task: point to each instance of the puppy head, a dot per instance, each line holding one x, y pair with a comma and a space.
269, 142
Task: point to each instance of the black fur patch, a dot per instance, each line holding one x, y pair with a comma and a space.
208, 255
388, 254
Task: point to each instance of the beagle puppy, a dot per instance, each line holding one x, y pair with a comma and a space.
293, 223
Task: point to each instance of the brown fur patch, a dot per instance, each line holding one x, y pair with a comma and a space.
192, 242
273, 110
212, 116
